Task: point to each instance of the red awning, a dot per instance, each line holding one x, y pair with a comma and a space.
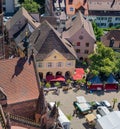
79, 73
49, 78
60, 79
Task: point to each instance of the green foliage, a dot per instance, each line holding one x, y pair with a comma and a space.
98, 31
68, 81
81, 81
57, 84
48, 85
30, 5
58, 104
103, 60
117, 55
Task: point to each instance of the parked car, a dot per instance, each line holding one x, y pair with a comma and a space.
118, 106
106, 104
102, 110
98, 116
95, 104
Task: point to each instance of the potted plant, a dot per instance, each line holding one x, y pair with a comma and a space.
69, 82
48, 85
57, 84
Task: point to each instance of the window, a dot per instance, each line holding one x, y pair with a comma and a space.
68, 64
59, 64
103, 24
49, 64
109, 18
80, 37
71, 9
87, 44
117, 18
98, 18
40, 65
86, 51
103, 18
78, 43
77, 50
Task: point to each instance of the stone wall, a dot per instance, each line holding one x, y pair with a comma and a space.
25, 109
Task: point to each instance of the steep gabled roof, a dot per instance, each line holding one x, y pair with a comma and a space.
45, 39
21, 34
19, 14
111, 34
79, 22
18, 80
51, 19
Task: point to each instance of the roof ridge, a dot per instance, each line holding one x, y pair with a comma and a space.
6, 60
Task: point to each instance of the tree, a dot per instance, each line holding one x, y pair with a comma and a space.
31, 6
103, 61
80, 81
98, 31
117, 56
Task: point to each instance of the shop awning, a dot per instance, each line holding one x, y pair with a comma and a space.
59, 79
79, 74
49, 78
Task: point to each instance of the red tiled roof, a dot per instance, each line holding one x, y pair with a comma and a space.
18, 80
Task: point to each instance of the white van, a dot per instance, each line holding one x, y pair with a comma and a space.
102, 110
65, 123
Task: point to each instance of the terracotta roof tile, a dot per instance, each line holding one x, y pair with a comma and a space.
18, 80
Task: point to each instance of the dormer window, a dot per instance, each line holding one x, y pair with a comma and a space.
112, 42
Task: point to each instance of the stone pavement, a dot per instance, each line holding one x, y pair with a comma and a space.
66, 100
